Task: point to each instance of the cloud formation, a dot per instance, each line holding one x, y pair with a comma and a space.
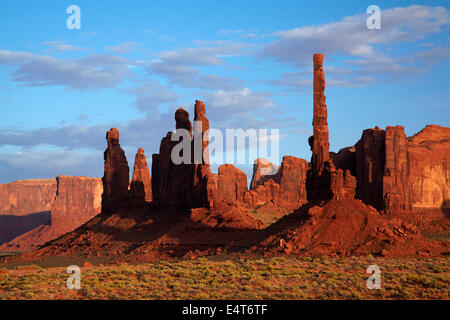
123, 48
63, 46
350, 36
150, 94
368, 54
181, 67
96, 71
48, 164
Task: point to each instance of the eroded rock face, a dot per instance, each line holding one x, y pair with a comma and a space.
188, 184
78, 199
370, 161
232, 183
288, 193
345, 159
429, 168
396, 174
24, 205
171, 183
263, 195
141, 183
382, 168
292, 183
69, 202
430, 135
343, 185
395, 179
264, 170
24, 197
116, 174
204, 186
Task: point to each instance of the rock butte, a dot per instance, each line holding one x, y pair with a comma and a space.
69, 202
354, 202
24, 205
184, 185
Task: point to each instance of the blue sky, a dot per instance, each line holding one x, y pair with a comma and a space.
133, 63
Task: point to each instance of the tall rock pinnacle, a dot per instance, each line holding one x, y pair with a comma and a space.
319, 175
204, 186
320, 144
141, 183
185, 185
171, 183
201, 133
116, 175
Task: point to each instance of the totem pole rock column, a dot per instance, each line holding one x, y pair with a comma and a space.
319, 176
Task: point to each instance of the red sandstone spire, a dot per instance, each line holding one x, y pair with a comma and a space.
141, 183
116, 175
320, 145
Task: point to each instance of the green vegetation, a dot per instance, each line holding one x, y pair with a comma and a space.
228, 277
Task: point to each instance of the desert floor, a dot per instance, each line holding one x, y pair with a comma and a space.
229, 276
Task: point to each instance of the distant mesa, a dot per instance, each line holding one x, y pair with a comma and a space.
41, 210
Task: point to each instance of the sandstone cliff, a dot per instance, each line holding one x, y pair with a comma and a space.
78, 199
264, 170
283, 192
429, 168
74, 201
232, 183
397, 174
24, 205
23, 197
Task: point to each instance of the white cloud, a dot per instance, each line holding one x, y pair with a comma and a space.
123, 48
349, 36
193, 56
49, 164
91, 72
180, 67
239, 100
63, 46
150, 94
434, 55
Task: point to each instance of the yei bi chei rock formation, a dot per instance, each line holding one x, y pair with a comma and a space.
353, 202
